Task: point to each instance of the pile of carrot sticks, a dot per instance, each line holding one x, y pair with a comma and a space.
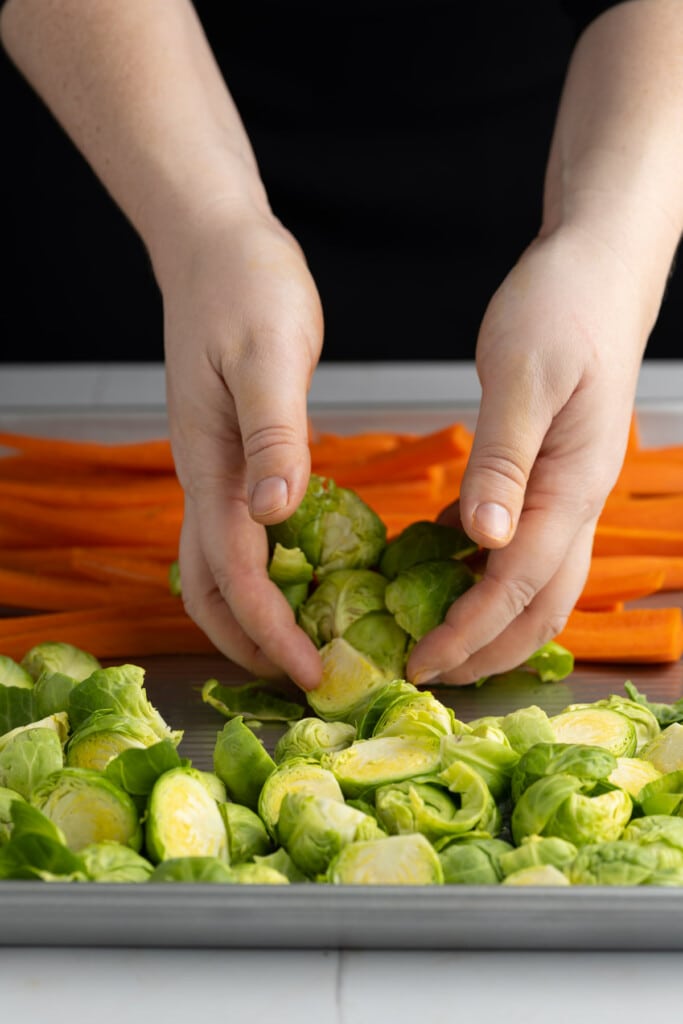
88, 532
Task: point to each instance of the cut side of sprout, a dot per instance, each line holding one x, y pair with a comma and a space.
596, 727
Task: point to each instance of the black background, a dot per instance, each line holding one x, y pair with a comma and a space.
404, 145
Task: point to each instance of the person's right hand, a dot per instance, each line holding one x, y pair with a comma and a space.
243, 333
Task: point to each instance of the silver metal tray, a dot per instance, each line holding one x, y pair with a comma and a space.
317, 916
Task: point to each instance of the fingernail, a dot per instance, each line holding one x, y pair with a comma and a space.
428, 675
269, 495
492, 520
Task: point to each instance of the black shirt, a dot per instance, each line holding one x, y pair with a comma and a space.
403, 143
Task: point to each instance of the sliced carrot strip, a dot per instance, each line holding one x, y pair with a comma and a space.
632, 635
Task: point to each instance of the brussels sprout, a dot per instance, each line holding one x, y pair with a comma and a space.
313, 829
349, 680
663, 794
53, 656
52, 692
7, 798
205, 869
111, 862
88, 808
419, 597
379, 637
29, 758
621, 863
631, 774
291, 572
477, 808
493, 759
247, 835
378, 704
334, 528
588, 764
534, 851
644, 721
136, 770
597, 727
241, 762
58, 724
296, 776
367, 764
36, 849
341, 598
257, 874
414, 715
659, 830
665, 752
537, 874
526, 727
551, 662
556, 804
183, 819
424, 541
104, 735
14, 674
394, 860
282, 863
472, 860
120, 690
255, 702
665, 714
311, 738
424, 807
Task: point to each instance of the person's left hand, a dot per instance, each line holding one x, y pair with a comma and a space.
558, 357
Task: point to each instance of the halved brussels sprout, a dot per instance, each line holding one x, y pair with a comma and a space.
246, 833
29, 758
537, 874
280, 861
588, 764
622, 863
555, 806
367, 764
477, 808
597, 727
414, 715
54, 656
410, 806
394, 860
665, 751
183, 819
419, 597
538, 850
311, 738
632, 773
88, 808
663, 794
313, 829
118, 689
205, 869
296, 776
472, 860
257, 874
14, 674
334, 528
58, 724
525, 727
107, 861
493, 759
383, 698
291, 572
104, 735
424, 541
658, 830
241, 762
644, 720
349, 680
379, 637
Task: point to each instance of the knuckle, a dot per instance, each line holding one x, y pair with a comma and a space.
500, 460
517, 592
264, 439
551, 626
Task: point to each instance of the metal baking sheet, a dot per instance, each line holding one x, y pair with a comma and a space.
316, 916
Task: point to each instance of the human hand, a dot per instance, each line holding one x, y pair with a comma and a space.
558, 357
243, 333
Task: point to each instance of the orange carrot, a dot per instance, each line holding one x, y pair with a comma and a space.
337, 448
114, 567
643, 473
622, 540
651, 513
50, 623
603, 588
133, 527
141, 455
632, 635
610, 566
31, 590
94, 494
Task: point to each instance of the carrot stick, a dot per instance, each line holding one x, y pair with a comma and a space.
622, 540
119, 638
144, 526
140, 455
604, 588
652, 513
643, 473
30, 590
51, 622
93, 494
646, 635
670, 567
336, 448
114, 567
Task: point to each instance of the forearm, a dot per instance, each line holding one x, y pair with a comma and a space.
136, 87
615, 168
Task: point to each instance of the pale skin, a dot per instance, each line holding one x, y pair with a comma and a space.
558, 354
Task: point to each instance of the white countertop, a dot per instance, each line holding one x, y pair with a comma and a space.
330, 986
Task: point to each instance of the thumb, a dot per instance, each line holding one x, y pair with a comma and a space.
507, 440
273, 418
